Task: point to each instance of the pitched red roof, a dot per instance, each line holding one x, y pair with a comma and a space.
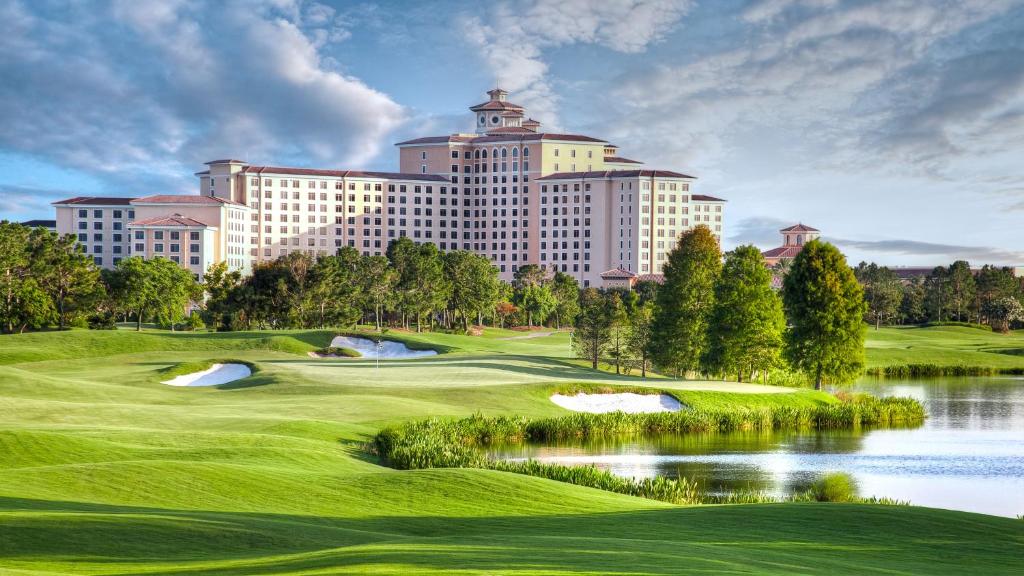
510, 130
184, 199
286, 171
595, 174
176, 220
799, 228
703, 198
659, 278
95, 201
527, 136
783, 252
226, 161
621, 160
616, 273
495, 105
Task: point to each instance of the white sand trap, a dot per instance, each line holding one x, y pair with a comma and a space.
625, 402
212, 376
388, 349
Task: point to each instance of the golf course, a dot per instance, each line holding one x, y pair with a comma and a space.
104, 469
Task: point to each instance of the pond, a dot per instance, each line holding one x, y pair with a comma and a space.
969, 455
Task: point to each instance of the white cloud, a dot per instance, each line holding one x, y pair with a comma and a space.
513, 37
154, 87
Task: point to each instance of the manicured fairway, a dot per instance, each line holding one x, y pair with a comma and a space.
103, 470
945, 346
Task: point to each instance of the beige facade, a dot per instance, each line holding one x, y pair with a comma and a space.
193, 231
510, 192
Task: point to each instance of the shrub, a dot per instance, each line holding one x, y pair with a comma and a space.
834, 487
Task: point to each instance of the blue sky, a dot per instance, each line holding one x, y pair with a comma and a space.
896, 127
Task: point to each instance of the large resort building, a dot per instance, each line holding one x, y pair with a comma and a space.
509, 191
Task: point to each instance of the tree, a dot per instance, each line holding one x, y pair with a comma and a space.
502, 310
993, 283
378, 283
538, 302
593, 326
882, 292
430, 286
685, 301
639, 340
335, 288
937, 294
155, 288
475, 286
528, 275
745, 334
825, 307
219, 284
618, 333
961, 289
194, 321
566, 291
1002, 312
65, 273
912, 308
20, 304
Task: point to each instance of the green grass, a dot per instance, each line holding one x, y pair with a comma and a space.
945, 346
103, 470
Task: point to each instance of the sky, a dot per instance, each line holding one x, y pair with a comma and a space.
895, 127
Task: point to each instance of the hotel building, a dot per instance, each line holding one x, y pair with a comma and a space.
508, 191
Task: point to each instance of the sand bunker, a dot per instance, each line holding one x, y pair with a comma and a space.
625, 402
212, 376
387, 350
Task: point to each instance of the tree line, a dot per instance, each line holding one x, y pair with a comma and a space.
721, 317
991, 296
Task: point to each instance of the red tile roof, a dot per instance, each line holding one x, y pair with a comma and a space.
510, 130
530, 136
596, 174
659, 278
183, 199
176, 220
621, 160
703, 198
616, 273
95, 201
226, 161
341, 173
799, 228
495, 105
783, 252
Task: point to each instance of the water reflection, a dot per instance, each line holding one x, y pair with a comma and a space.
969, 455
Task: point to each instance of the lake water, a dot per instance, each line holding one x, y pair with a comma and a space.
969, 454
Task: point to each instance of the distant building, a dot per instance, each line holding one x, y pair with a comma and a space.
50, 225
508, 191
793, 240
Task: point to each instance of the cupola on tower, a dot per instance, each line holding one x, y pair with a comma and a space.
498, 114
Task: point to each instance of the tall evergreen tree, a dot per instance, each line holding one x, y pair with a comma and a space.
593, 326
378, 281
566, 291
685, 301
747, 325
640, 322
618, 334
825, 307
912, 308
961, 289
882, 292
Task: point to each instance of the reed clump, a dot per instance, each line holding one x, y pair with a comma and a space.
443, 443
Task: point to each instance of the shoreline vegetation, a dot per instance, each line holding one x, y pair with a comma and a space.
461, 443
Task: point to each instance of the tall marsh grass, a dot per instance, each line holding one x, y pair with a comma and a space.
929, 370
440, 443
